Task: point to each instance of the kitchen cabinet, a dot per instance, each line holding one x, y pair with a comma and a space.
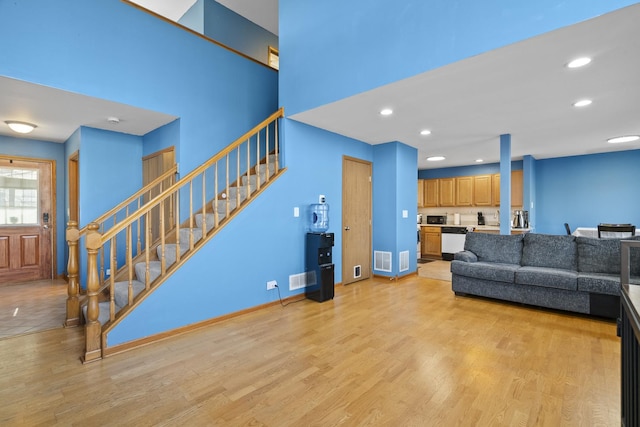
482, 190
464, 191
421, 193
431, 193
517, 189
431, 240
446, 192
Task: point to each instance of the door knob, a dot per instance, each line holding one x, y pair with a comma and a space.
347, 228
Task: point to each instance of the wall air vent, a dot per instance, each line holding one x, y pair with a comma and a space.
382, 261
403, 260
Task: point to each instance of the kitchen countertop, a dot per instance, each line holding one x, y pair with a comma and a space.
476, 227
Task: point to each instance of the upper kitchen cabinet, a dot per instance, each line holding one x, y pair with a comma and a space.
421, 193
447, 192
517, 188
464, 191
482, 190
431, 193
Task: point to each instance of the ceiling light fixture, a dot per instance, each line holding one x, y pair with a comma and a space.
435, 158
479, 160
113, 120
425, 132
621, 139
386, 112
579, 62
582, 103
20, 127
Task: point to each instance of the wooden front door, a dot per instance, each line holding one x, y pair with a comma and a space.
356, 220
27, 222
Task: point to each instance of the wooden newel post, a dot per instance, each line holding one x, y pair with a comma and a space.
93, 328
73, 288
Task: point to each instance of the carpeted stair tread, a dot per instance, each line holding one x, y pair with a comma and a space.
121, 294
154, 271
103, 315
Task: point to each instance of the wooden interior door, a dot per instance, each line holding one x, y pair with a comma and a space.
153, 166
356, 220
27, 221
74, 187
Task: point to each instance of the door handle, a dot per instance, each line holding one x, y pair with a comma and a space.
347, 228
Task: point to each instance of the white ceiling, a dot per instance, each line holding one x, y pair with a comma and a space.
261, 12
523, 89
58, 113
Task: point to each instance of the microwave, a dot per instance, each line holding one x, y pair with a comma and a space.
436, 219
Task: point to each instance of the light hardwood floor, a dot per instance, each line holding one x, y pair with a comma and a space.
32, 307
382, 353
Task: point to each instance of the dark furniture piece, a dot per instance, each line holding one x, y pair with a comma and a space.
617, 228
630, 336
319, 266
579, 274
567, 229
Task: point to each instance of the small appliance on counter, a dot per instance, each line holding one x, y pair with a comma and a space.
480, 219
437, 219
520, 219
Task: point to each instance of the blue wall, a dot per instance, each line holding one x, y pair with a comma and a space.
394, 190
482, 169
164, 137
31, 148
223, 25
333, 49
587, 190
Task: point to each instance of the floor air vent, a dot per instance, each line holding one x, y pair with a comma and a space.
382, 261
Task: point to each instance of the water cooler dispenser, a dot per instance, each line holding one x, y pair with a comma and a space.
318, 262
318, 259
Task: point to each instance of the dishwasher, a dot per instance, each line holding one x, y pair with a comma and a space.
452, 241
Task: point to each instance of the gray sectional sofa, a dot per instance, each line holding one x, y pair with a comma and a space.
578, 274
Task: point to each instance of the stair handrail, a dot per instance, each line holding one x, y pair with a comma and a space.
95, 338
102, 218
189, 177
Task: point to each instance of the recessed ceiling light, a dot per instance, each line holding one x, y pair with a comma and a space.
435, 158
579, 62
20, 127
386, 112
582, 103
425, 132
621, 139
479, 160
113, 120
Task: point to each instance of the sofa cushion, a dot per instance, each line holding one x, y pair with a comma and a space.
466, 256
551, 251
547, 277
603, 255
599, 283
493, 271
495, 247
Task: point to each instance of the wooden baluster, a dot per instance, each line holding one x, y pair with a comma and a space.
93, 329
226, 188
266, 151
238, 177
249, 191
216, 220
176, 198
73, 288
112, 278
258, 169
139, 232
163, 263
130, 267
276, 144
147, 261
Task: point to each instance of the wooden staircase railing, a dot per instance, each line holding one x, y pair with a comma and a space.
105, 221
138, 262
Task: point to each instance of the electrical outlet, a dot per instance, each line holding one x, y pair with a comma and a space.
272, 284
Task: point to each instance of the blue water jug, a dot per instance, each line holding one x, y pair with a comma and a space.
319, 217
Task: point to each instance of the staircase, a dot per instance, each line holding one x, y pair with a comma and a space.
208, 198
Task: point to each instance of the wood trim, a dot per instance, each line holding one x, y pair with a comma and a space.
121, 348
157, 153
202, 36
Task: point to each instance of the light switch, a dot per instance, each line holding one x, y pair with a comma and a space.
296, 212
405, 213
